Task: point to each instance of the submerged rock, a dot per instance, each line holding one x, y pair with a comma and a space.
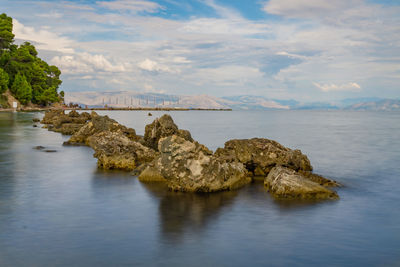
163, 127
114, 150
286, 183
190, 166
260, 155
97, 125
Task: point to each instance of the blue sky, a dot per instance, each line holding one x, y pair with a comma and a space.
310, 50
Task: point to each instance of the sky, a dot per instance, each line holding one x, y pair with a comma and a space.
309, 50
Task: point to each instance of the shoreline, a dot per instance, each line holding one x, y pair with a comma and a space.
111, 109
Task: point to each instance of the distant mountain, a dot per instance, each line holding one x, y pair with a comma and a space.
242, 102
381, 105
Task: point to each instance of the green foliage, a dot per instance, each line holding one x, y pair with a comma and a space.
3, 81
23, 61
6, 35
4, 102
22, 89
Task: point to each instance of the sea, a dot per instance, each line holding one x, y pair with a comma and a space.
58, 209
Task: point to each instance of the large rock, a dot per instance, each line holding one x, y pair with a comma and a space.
114, 150
97, 125
163, 127
260, 155
68, 124
190, 166
286, 183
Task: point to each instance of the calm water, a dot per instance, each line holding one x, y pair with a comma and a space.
57, 209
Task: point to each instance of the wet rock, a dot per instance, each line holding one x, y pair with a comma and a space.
150, 114
67, 128
38, 147
97, 125
35, 125
68, 124
50, 150
260, 155
114, 150
284, 183
151, 174
190, 166
163, 127
36, 120
73, 114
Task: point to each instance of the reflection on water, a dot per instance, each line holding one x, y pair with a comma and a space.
180, 212
58, 209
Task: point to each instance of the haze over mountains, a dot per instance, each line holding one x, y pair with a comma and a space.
243, 102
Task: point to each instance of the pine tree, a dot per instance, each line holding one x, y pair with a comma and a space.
3, 81
21, 89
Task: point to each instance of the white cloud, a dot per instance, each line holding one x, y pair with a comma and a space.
134, 6
153, 66
44, 39
51, 15
86, 63
351, 86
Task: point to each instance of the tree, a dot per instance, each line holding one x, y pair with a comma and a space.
21, 89
6, 35
23, 61
3, 81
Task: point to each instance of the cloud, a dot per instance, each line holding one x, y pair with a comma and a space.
51, 15
153, 66
43, 38
134, 6
351, 86
307, 8
82, 63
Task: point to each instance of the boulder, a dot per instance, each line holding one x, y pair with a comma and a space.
163, 127
114, 150
66, 128
97, 125
260, 155
285, 183
51, 115
190, 166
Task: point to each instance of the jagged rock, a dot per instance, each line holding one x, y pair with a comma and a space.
260, 155
190, 166
66, 128
50, 115
163, 127
73, 113
114, 150
286, 183
99, 124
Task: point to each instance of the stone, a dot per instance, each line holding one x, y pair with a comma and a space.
260, 155
36, 120
99, 124
191, 167
114, 150
163, 127
320, 179
285, 183
151, 174
67, 128
50, 115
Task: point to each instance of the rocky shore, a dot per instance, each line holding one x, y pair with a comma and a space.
169, 155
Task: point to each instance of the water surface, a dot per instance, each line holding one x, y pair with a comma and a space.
58, 209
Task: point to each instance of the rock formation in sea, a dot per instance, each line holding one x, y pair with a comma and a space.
169, 155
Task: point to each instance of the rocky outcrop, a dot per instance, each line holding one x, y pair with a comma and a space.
163, 127
151, 174
192, 167
285, 183
99, 124
260, 155
114, 150
67, 124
